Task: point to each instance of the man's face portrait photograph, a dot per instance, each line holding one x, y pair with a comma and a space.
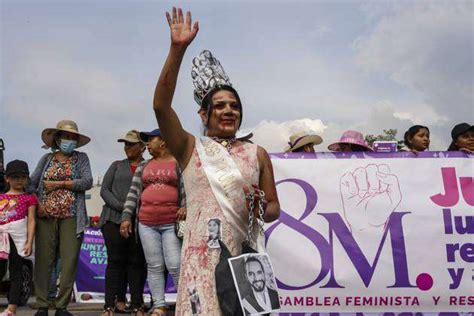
255, 283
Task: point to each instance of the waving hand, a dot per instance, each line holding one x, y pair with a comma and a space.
182, 34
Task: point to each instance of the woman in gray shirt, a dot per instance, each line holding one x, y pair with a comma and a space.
126, 261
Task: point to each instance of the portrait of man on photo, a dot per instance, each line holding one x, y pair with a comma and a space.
261, 298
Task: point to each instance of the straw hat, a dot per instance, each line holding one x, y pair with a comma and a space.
298, 140
48, 134
350, 137
132, 136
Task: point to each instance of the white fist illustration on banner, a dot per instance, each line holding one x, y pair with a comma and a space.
369, 195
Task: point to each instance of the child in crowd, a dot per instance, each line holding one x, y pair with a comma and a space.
463, 138
417, 138
17, 228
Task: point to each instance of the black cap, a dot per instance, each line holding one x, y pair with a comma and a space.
460, 129
17, 168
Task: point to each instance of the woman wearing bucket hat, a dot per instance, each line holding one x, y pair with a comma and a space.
154, 202
462, 138
125, 258
224, 173
303, 143
60, 180
350, 141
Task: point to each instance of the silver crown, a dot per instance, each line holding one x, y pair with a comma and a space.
207, 74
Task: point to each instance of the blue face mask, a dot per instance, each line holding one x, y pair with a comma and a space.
67, 146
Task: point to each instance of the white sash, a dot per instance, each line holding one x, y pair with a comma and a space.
226, 183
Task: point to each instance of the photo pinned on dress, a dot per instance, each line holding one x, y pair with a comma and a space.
194, 300
214, 233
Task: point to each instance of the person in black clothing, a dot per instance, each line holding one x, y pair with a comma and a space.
126, 261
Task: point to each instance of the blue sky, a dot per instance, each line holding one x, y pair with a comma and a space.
321, 66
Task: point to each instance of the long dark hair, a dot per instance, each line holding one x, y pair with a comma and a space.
412, 132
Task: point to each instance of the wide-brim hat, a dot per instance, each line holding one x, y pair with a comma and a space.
299, 140
132, 136
48, 134
352, 138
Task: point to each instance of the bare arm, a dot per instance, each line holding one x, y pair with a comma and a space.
267, 184
30, 230
177, 139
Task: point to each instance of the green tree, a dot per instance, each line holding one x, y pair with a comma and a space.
388, 135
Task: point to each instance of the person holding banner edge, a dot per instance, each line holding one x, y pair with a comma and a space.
245, 168
416, 139
462, 138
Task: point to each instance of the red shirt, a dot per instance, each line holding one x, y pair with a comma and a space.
159, 199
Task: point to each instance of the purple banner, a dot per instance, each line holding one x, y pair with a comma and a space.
380, 234
365, 155
90, 278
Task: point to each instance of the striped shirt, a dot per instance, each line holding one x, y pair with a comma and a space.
132, 202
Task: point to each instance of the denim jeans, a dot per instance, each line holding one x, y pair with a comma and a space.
162, 248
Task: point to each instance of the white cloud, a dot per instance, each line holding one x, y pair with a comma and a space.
419, 59
385, 116
320, 31
274, 136
48, 84
422, 114
428, 48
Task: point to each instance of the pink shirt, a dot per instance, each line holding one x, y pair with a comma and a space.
14, 207
159, 199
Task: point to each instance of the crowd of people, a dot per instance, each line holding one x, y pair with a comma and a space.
416, 139
217, 183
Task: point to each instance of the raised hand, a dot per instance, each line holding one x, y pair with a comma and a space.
369, 195
181, 32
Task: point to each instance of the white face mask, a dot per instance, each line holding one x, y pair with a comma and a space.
67, 146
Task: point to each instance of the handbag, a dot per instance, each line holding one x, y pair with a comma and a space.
179, 227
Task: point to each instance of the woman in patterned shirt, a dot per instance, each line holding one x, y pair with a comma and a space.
60, 179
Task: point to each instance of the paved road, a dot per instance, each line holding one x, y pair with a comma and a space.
82, 309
